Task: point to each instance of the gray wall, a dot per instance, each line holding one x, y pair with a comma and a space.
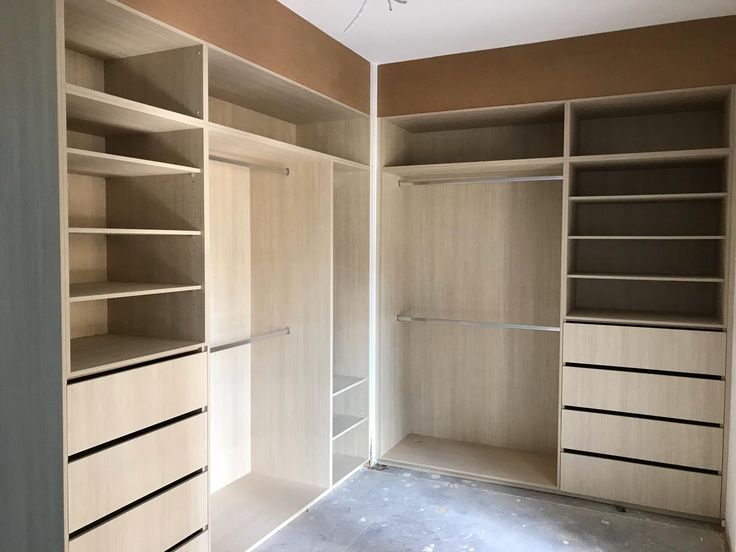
31, 440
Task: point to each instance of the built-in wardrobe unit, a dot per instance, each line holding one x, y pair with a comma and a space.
556, 296
216, 223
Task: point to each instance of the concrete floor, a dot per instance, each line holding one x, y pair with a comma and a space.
398, 510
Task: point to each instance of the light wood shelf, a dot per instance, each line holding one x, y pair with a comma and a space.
93, 163
343, 423
95, 291
646, 277
246, 147
99, 353
647, 237
133, 231
627, 159
644, 318
343, 465
549, 166
641, 198
458, 458
254, 507
100, 113
341, 384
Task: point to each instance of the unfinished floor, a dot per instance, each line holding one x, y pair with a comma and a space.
398, 510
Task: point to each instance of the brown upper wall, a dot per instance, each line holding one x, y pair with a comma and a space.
664, 57
272, 36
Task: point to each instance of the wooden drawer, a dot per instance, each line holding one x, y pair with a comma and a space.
651, 486
656, 441
198, 544
676, 397
111, 479
109, 407
688, 351
155, 525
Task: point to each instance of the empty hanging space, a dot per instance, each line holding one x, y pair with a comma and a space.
470, 293
270, 265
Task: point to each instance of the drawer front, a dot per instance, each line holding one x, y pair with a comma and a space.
656, 441
155, 525
631, 483
113, 478
650, 348
650, 394
109, 407
198, 544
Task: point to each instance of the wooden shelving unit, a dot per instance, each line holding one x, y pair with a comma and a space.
97, 291
341, 384
343, 423
100, 353
100, 113
93, 163
134, 231
644, 318
647, 277
642, 198
344, 465
647, 237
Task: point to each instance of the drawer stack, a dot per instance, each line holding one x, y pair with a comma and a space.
642, 416
137, 443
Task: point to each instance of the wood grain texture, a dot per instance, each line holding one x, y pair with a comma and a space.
296, 49
675, 397
232, 115
32, 513
630, 483
662, 57
677, 444
292, 256
155, 525
688, 351
103, 409
200, 543
113, 478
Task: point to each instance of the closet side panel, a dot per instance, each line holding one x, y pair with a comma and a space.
31, 371
229, 290
292, 286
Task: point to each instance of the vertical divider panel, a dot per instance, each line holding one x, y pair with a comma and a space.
292, 286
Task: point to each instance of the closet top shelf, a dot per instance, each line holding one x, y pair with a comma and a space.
101, 113
238, 145
547, 166
628, 159
93, 163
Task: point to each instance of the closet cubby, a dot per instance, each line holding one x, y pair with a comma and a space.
686, 120
523, 132
263, 111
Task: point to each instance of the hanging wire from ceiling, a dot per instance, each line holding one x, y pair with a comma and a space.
362, 9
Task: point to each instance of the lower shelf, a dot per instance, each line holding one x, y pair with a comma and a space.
343, 465
97, 353
463, 459
251, 509
644, 318
342, 423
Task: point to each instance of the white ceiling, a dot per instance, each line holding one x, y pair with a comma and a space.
426, 28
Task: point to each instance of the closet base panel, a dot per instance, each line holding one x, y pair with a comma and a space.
483, 462
253, 508
344, 466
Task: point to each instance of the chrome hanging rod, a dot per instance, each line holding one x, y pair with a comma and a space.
487, 180
277, 333
501, 325
282, 171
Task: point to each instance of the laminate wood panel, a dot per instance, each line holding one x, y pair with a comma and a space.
348, 138
115, 477
292, 266
462, 459
232, 115
84, 70
485, 252
155, 525
488, 386
689, 351
87, 201
87, 319
33, 330
97, 291
200, 543
105, 408
665, 396
631, 483
678, 444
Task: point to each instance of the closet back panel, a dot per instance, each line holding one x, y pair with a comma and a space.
489, 386
292, 255
485, 252
229, 301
